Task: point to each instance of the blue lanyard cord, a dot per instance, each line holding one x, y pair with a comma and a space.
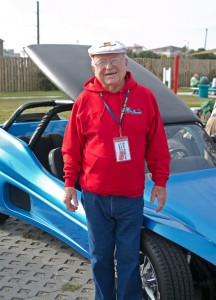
112, 113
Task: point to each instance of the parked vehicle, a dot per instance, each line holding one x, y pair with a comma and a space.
178, 245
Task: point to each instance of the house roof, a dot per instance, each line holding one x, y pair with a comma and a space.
173, 48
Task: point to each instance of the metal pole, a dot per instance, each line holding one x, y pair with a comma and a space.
38, 24
205, 38
176, 73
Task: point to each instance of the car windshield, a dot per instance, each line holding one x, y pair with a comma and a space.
190, 148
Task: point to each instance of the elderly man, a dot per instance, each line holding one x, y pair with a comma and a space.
114, 127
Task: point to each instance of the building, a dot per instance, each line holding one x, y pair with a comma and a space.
8, 52
169, 51
136, 48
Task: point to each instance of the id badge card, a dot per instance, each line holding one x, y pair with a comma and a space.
122, 150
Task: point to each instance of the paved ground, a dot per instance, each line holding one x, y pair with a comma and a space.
35, 265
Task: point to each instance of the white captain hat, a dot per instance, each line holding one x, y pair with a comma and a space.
107, 47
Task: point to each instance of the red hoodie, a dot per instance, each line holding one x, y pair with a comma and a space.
88, 148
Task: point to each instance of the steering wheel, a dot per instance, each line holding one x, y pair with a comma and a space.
178, 153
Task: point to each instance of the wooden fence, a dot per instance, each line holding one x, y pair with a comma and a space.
21, 74
18, 74
187, 68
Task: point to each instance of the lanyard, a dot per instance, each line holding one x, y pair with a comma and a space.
112, 113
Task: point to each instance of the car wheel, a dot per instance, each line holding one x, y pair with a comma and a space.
164, 269
3, 217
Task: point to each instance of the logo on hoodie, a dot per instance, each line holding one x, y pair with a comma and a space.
129, 110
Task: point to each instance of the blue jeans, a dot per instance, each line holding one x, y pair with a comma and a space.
114, 228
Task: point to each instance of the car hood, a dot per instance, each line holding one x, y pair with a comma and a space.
189, 216
69, 67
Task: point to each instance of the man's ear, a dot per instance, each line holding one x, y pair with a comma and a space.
93, 68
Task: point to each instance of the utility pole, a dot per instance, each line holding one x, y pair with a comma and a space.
38, 24
205, 38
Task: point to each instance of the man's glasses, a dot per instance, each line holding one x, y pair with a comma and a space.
115, 61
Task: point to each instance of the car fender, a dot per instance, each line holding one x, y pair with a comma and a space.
191, 225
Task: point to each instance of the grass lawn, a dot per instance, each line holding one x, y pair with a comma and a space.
9, 101
190, 99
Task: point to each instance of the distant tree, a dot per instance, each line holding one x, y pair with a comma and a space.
45, 83
184, 49
191, 51
202, 56
143, 54
130, 53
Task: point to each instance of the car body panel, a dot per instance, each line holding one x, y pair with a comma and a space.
26, 129
20, 168
58, 63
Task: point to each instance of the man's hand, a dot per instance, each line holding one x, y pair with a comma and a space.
158, 192
70, 199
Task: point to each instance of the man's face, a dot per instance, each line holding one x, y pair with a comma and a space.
110, 70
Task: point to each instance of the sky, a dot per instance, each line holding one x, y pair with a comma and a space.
151, 24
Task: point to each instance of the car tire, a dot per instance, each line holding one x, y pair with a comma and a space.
164, 269
3, 217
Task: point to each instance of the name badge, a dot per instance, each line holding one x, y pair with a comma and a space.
122, 150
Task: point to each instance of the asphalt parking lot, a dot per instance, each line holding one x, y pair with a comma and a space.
35, 265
